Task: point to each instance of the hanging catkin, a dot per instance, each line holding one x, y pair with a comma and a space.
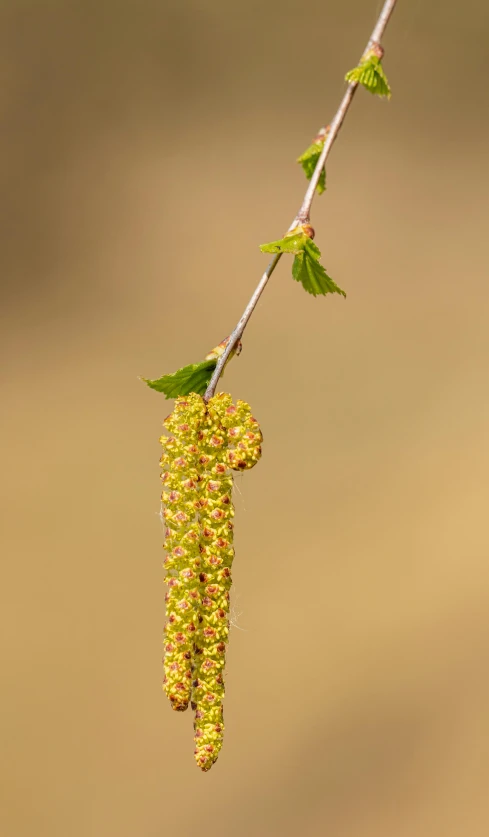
180, 500
207, 442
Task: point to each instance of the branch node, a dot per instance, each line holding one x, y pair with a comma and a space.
308, 230
377, 50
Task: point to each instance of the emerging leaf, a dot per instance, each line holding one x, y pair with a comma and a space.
370, 74
308, 270
308, 161
219, 350
192, 378
306, 267
293, 242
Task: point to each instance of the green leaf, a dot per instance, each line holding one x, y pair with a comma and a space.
307, 269
192, 378
309, 160
370, 74
293, 242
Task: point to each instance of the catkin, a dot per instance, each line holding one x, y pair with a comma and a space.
180, 499
207, 442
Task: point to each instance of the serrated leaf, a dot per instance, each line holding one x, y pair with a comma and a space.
308, 161
306, 267
309, 271
293, 242
192, 378
370, 74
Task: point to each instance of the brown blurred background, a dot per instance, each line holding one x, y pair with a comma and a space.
148, 149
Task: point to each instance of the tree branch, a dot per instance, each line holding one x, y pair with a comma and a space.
302, 216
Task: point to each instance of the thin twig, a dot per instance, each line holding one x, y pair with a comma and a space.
302, 216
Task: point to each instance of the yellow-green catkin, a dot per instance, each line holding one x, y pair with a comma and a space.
180, 499
206, 443
232, 439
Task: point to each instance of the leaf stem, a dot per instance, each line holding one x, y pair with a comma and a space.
302, 216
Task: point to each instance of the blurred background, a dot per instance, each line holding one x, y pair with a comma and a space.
148, 149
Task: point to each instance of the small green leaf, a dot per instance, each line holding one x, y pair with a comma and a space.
293, 242
307, 269
370, 74
309, 160
192, 378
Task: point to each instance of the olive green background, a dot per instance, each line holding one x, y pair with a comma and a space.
147, 150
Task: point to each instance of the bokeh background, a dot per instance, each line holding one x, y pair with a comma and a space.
147, 150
